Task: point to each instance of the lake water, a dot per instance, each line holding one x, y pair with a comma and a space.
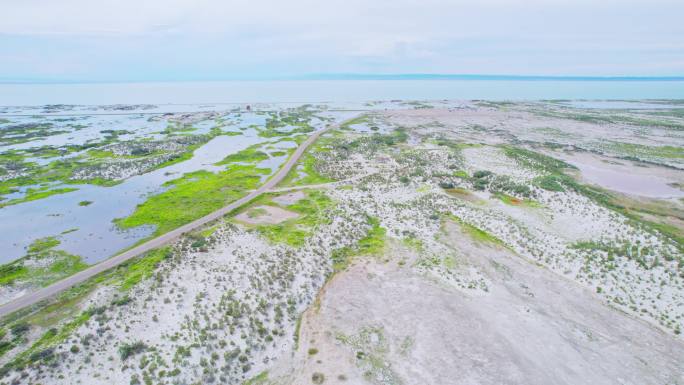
331, 91
96, 237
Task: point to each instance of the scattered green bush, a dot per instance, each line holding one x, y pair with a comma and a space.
128, 350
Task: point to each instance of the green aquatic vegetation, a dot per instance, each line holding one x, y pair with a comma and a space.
9, 273
251, 154
193, 196
26, 132
43, 244
41, 266
182, 157
361, 119
312, 212
33, 194
85, 203
62, 171
58, 171
273, 133
175, 127
47, 152
297, 118
101, 154
219, 131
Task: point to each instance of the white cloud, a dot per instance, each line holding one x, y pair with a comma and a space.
271, 36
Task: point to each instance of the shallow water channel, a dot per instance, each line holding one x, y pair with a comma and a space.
96, 237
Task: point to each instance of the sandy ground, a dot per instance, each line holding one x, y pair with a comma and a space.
436, 307
383, 323
265, 215
290, 198
625, 176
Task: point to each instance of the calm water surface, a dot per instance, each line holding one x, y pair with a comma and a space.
331, 91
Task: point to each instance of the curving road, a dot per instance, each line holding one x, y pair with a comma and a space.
59, 286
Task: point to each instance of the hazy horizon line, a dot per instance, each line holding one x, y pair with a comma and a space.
357, 76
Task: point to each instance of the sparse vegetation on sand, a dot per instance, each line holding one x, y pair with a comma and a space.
468, 215
313, 210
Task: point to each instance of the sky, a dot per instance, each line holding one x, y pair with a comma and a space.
152, 40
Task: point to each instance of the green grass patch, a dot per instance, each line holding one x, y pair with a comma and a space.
550, 182
249, 155
361, 119
193, 196
372, 244
256, 212
294, 232
632, 150
53, 266
481, 235
142, 268
40, 180
477, 234
305, 173
536, 161
413, 243
513, 201
259, 379
33, 194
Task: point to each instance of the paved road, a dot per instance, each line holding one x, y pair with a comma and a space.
59, 286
